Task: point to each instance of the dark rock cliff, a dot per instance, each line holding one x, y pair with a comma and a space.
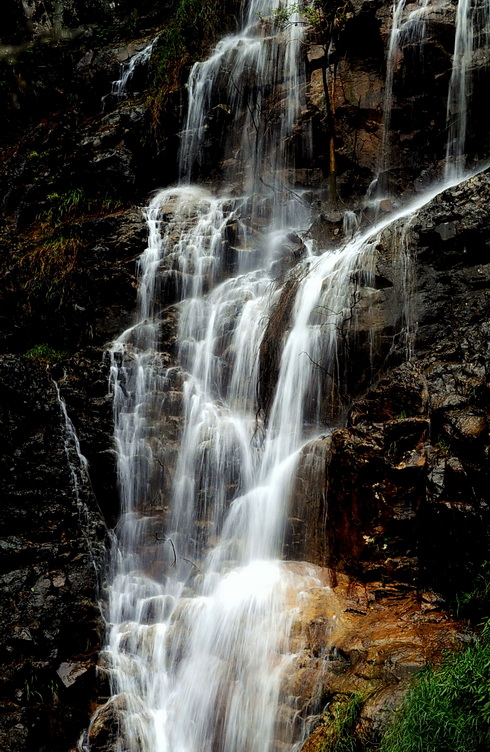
402, 491
53, 542
397, 498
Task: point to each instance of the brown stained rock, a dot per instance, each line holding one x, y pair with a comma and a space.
315, 52
386, 205
316, 93
376, 488
366, 639
379, 709
466, 426
357, 100
104, 731
358, 87
305, 537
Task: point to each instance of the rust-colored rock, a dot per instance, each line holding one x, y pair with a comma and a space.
366, 640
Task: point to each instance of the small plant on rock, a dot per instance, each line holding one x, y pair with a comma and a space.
45, 354
448, 707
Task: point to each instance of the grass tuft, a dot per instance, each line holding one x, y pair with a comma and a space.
448, 708
46, 354
338, 730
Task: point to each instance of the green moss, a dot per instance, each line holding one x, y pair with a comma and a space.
338, 729
443, 447
45, 354
448, 707
344, 722
402, 414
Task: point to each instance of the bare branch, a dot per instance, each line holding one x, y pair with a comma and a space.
303, 352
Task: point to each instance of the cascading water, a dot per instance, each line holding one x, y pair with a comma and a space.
407, 27
200, 605
78, 465
120, 87
208, 604
471, 35
256, 78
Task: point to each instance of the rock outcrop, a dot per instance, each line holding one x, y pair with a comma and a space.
401, 493
360, 644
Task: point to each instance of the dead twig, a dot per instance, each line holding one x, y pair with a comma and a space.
166, 539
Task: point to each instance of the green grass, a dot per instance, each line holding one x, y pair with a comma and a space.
52, 264
50, 267
343, 723
337, 732
45, 354
475, 603
448, 708
64, 205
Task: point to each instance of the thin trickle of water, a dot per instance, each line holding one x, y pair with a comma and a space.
392, 59
78, 465
120, 87
471, 35
71, 442
350, 224
459, 90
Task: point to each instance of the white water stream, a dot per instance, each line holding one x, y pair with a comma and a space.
472, 29
120, 87
79, 472
200, 603
408, 26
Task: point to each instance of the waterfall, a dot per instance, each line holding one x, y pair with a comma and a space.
78, 466
255, 80
200, 603
198, 594
406, 28
120, 87
471, 36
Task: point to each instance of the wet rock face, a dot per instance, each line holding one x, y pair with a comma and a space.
377, 488
84, 305
305, 538
53, 541
356, 641
356, 67
406, 481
